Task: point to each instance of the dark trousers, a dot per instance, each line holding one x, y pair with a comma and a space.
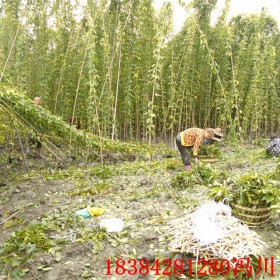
184, 151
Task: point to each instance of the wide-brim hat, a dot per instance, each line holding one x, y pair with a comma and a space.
218, 132
213, 134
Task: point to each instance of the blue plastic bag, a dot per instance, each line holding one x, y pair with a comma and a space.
83, 213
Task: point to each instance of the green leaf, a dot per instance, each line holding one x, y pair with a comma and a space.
47, 268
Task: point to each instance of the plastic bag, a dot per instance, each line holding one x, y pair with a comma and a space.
83, 213
112, 225
95, 211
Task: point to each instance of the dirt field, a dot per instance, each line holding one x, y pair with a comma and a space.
41, 238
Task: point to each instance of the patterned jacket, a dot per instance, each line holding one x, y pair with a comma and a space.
192, 137
274, 147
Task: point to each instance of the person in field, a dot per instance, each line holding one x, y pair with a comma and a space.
193, 138
33, 136
274, 146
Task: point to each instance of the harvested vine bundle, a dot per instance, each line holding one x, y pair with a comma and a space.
19, 107
212, 232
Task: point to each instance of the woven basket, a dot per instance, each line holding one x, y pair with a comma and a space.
250, 216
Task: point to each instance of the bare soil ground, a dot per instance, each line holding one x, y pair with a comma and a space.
38, 203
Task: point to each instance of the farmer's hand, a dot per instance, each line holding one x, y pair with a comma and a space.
196, 160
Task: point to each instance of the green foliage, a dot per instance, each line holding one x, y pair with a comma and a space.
210, 150
220, 191
248, 190
276, 173
43, 122
103, 172
253, 197
22, 244
201, 174
119, 66
100, 188
182, 181
207, 173
60, 220
253, 191
256, 188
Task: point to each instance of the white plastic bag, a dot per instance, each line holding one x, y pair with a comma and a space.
206, 219
112, 224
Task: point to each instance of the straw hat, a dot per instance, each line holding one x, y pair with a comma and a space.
218, 132
211, 132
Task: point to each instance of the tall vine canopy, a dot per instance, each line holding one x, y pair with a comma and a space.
118, 67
